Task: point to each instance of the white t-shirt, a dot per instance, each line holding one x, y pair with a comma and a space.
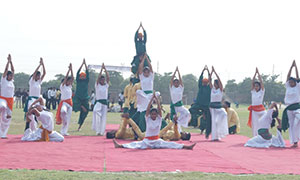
152, 127
257, 97
216, 95
292, 94
46, 119
34, 87
66, 92
176, 93
147, 82
7, 87
266, 120
101, 91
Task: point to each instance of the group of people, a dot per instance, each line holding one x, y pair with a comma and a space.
141, 120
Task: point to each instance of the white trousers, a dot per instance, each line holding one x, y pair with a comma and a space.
153, 144
37, 135
65, 114
259, 142
183, 118
4, 121
219, 123
99, 118
143, 99
255, 117
294, 122
33, 125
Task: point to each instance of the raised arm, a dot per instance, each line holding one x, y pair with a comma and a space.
67, 75
159, 109
39, 100
260, 80
12, 68
136, 33
7, 65
179, 77
145, 34
36, 70
173, 77
106, 74
253, 79
210, 76
296, 68
149, 105
290, 71
149, 63
219, 80
44, 69
100, 74
141, 65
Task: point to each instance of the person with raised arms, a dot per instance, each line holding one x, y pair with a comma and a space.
7, 97
64, 110
257, 110
100, 107
176, 107
219, 122
35, 83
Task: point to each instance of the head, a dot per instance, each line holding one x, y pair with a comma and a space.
69, 81
37, 76
257, 86
146, 71
216, 84
205, 81
9, 76
153, 113
102, 80
131, 80
227, 104
185, 136
82, 75
140, 36
176, 83
111, 134
274, 116
292, 81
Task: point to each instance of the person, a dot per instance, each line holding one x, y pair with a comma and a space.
152, 140
144, 95
18, 95
58, 95
264, 139
53, 97
201, 105
100, 108
176, 107
46, 131
48, 99
133, 103
92, 100
24, 97
233, 118
257, 108
64, 110
7, 97
127, 96
219, 123
140, 40
121, 100
291, 114
35, 82
81, 98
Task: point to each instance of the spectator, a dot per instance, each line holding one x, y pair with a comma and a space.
18, 95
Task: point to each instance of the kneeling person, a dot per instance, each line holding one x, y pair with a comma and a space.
45, 132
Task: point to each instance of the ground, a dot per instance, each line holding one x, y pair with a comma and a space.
17, 127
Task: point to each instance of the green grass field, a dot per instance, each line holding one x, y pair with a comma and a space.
17, 127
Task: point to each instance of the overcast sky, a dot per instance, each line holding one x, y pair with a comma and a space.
235, 36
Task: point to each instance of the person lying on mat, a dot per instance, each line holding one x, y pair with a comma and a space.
265, 139
45, 132
152, 140
170, 132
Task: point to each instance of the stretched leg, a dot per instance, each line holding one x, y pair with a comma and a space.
122, 129
208, 122
83, 112
195, 113
142, 122
56, 137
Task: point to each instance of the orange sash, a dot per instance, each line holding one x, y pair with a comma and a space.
152, 137
251, 108
45, 134
9, 101
58, 118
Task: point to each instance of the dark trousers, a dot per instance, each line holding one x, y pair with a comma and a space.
232, 129
197, 110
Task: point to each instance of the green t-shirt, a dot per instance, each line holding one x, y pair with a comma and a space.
203, 96
82, 86
140, 45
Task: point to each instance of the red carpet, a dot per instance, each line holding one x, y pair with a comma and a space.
88, 153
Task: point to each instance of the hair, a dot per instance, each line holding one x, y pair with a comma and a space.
102, 77
9, 73
187, 136
175, 80
131, 79
68, 78
227, 103
216, 81
153, 110
111, 134
293, 79
146, 68
38, 73
274, 116
258, 83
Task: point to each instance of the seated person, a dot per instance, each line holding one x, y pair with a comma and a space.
233, 119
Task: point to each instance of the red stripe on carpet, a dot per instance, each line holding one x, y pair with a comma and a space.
87, 153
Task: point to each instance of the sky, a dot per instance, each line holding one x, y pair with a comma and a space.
234, 36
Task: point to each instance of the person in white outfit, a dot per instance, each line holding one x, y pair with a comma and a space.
178, 111
64, 110
34, 93
45, 132
291, 114
152, 140
100, 107
219, 122
257, 109
6, 98
265, 139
